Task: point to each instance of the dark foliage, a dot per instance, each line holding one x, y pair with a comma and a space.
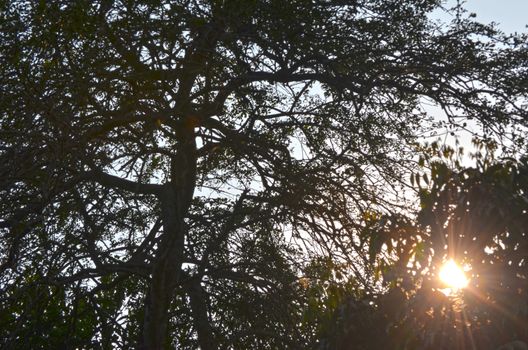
476, 216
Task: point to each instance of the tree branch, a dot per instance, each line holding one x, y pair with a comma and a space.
206, 337
108, 180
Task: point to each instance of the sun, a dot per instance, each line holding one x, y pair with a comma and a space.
453, 276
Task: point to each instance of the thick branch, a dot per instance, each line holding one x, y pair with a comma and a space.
201, 322
108, 180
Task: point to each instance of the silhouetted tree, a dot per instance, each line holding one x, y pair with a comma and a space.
198, 173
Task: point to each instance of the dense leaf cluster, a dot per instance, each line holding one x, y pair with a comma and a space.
475, 216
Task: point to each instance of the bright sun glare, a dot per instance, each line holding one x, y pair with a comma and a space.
453, 276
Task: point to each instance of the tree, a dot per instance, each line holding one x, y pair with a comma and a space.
480, 214
173, 172
474, 215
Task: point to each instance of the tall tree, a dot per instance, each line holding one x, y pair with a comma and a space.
172, 169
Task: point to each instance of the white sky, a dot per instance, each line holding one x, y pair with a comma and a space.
512, 15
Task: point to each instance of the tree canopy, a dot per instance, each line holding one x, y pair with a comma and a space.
219, 174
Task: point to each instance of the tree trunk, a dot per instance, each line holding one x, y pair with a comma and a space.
175, 201
165, 275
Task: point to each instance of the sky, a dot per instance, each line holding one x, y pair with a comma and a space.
512, 15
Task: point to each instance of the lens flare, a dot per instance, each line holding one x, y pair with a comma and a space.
453, 276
